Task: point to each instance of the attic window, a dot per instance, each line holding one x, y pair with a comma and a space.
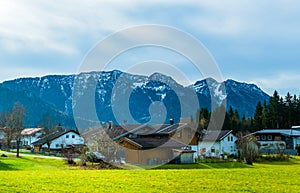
67, 136
270, 137
190, 134
179, 134
73, 136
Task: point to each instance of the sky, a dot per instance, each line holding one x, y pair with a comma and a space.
251, 41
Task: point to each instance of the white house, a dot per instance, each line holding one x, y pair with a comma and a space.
30, 135
217, 143
273, 139
58, 140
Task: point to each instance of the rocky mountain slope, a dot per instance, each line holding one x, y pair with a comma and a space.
122, 97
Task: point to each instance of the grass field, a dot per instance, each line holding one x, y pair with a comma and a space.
30, 174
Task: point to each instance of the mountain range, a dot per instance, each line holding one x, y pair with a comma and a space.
122, 98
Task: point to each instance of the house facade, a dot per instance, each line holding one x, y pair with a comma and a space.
58, 140
149, 150
273, 140
217, 143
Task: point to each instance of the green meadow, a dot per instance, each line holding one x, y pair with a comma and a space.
29, 174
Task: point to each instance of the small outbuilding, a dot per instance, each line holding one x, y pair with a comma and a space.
184, 156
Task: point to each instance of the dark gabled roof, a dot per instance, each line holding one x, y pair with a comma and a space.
161, 129
149, 142
133, 129
214, 135
184, 150
171, 128
52, 136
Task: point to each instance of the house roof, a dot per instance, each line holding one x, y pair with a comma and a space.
151, 142
52, 136
285, 132
144, 129
30, 131
214, 135
168, 129
184, 150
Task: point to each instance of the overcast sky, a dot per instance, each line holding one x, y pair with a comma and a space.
251, 41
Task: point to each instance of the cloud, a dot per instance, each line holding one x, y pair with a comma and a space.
56, 25
283, 82
60, 25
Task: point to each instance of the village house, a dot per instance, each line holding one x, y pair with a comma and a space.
158, 144
273, 140
30, 135
58, 140
216, 143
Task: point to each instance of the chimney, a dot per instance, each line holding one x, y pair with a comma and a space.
110, 124
171, 121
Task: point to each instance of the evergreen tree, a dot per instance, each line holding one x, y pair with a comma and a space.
294, 116
265, 115
288, 109
204, 116
282, 123
274, 111
297, 112
258, 117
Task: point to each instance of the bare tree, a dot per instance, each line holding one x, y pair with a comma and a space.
17, 118
248, 147
101, 139
6, 127
49, 127
12, 125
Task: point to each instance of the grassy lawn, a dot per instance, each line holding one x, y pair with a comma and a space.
30, 174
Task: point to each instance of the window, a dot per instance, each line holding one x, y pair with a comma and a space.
202, 151
67, 136
257, 138
228, 138
73, 136
189, 134
212, 150
179, 134
270, 137
263, 137
56, 145
231, 138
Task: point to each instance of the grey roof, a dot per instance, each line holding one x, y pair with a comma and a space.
52, 136
170, 128
152, 142
215, 135
148, 130
130, 129
285, 132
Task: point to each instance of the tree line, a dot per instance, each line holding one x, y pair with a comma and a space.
278, 112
